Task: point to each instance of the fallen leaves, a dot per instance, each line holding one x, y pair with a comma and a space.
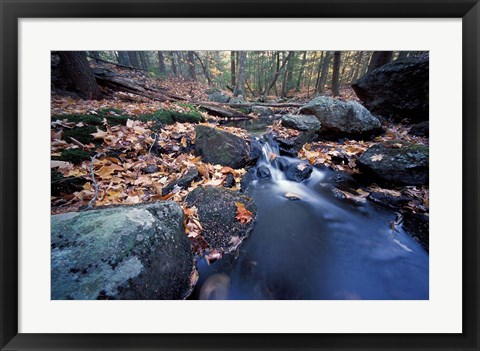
243, 215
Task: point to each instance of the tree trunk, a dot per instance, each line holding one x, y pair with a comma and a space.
132, 57
379, 58
300, 74
191, 66
335, 74
232, 68
123, 58
172, 62
161, 64
78, 70
358, 66
143, 60
324, 74
277, 73
240, 87
288, 75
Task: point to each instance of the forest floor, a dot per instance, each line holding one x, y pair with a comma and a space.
113, 160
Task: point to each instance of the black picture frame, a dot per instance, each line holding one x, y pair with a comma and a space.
11, 11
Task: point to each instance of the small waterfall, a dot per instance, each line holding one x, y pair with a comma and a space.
270, 152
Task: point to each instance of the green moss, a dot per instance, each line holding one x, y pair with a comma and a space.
74, 156
77, 118
82, 134
110, 111
170, 117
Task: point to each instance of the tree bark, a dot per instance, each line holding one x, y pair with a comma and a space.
161, 64
324, 73
132, 57
191, 66
300, 74
335, 74
172, 62
233, 69
379, 58
123, 58
240, 87
78, 70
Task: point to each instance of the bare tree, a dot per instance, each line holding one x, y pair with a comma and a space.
232, 68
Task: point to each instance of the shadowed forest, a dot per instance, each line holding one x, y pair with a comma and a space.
239, 175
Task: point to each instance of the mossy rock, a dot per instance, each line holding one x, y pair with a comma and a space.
112, 115
74, 156
77, 118
82, 134
170, 117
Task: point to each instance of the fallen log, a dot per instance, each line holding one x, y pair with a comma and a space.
221, 111
266, 104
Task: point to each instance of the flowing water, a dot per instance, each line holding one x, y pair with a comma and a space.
316, 246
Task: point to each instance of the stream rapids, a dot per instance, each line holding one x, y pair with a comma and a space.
315, 246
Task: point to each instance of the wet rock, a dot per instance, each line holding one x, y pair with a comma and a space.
420, 129
217, 146
125, 252
217, 211
301, 122
263, 172
418, 226
342, 118
229, 181
262, 111
291, 146
150, 169
388, 200
218, 96
398, 89
247, 178
399, 163
182, 182
294, 171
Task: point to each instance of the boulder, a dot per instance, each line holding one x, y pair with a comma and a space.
218, 96
217, 146
396, 162
262, 111
124, 252
342, 118
398, 89
182, 182
263, 172
217, 211
301, 122
420, 129
248, 178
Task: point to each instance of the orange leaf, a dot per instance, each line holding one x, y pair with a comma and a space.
243, 215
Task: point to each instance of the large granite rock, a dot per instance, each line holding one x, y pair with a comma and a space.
398, 89
342, 118
125, 252
218, 146
396, 162
217, 211
301, 122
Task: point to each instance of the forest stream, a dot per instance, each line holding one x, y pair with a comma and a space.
312, 245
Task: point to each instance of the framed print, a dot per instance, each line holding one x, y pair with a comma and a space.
295, 166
